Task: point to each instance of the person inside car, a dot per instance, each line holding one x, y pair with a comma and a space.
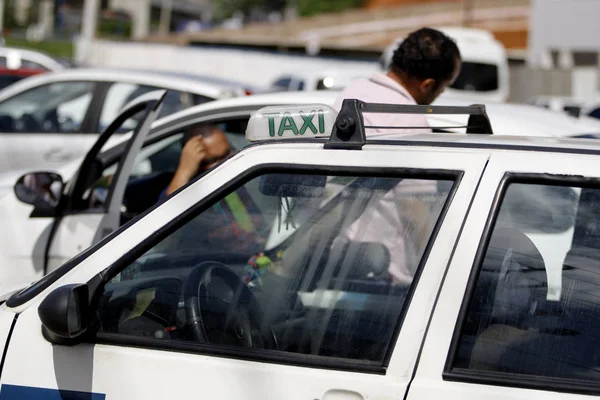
205, 146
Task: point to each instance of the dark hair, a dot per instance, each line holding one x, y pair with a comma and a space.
426, 53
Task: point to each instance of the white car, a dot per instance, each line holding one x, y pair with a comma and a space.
17, 58
50, 119
319, 79
281, 303
41, 239
569, 105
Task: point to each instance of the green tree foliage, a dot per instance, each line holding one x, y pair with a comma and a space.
312, 7
227, 8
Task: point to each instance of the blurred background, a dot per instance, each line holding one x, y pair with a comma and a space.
551, 46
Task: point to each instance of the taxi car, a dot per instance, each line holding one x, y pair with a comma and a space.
318, 263
38, 238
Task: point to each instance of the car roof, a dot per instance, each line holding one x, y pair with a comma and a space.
506, 119
207, 88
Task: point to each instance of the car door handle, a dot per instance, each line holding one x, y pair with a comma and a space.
58, 155
340, 394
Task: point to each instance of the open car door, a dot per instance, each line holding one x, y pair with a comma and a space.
93, 205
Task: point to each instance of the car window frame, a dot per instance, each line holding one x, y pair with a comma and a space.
97, 283
502, 379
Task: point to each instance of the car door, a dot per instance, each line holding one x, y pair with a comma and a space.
82, 223
156, 162
48, 125
327, 328
517, 314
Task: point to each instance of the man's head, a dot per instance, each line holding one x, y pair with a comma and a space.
425, 63
215, 143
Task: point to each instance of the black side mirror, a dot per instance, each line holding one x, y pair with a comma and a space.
64, 314
42, 190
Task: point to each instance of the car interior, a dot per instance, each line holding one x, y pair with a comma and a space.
336, 300
513, 326
154, 168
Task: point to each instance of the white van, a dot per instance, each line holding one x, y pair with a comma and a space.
484, 75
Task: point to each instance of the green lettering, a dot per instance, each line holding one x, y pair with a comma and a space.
307, 122
287, 123
321, 114
271, 117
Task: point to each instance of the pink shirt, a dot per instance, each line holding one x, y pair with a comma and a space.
384, 219
380, 88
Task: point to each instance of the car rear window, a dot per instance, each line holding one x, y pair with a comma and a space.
477, 77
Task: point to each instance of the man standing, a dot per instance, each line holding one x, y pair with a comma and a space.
424, 64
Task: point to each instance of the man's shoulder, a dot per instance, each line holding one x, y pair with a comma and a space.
362, 89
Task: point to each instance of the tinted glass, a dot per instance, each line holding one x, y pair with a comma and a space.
594, 113
55, 108
477, 77
536, 306
305, 264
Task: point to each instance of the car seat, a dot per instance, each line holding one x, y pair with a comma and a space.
511, 285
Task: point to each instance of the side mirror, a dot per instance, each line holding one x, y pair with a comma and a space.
64, 314
42, 190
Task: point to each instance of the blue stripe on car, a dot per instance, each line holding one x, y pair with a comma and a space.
9, 392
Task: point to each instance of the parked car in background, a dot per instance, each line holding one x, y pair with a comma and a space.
9, 76
16, 58
17, 64
566, 104
50, 119
591, 107
318, 79
484, 75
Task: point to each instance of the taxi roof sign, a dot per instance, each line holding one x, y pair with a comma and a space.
291, 122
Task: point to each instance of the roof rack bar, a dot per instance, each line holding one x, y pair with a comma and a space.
418, 109
349, 129
419, 127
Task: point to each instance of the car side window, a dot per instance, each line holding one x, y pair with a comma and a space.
153, 169
535, 307
121, 93
32, 65
595, 113
300, 263
59, 107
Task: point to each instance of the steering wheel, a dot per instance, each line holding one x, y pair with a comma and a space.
221, 309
